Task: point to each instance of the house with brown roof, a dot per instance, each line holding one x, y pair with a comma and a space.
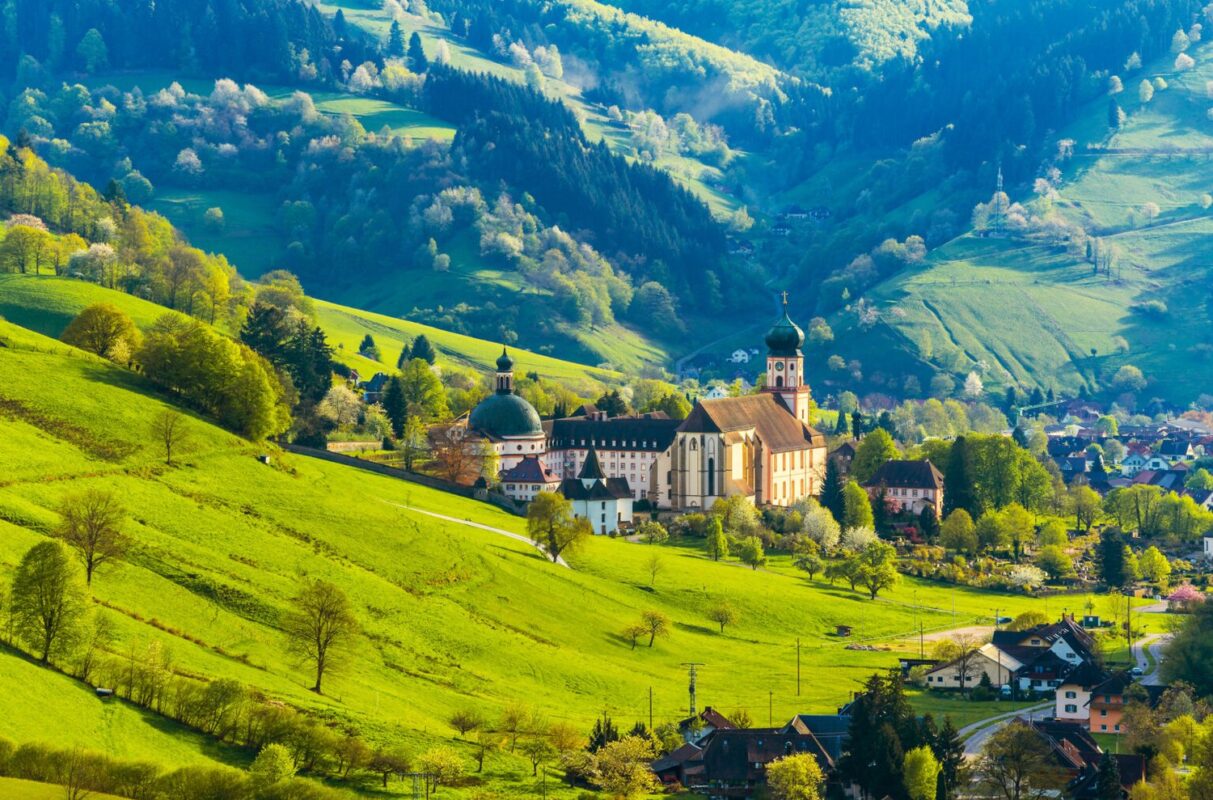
731, 762
527, 478
758, 446
908, 486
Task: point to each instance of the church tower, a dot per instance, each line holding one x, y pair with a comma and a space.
505, 373
785, 365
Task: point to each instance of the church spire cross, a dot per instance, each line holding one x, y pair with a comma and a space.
784, 295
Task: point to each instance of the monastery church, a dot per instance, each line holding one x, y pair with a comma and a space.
760, 446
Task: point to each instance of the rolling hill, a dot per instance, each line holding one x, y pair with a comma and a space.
46, 305
1024, 311
452, 615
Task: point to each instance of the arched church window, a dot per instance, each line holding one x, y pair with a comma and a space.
779, 380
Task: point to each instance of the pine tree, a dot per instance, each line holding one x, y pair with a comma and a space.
857, 424
603, 733
1107, 780
417, 60
843, 426
957, 483
395, 405
406, 353
1111, 558
950, 751
423, 349
395, 41
831, 491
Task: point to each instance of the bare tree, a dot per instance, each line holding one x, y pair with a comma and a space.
1016, 764
92, 522
455, 458
655, 566
466, 719
169, 429
966, 659
320, 627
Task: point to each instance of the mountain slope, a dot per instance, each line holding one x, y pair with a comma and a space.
46, 305
452, 615
1024, 309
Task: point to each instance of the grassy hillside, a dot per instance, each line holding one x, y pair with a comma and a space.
46, 305
1032, 314
452, 615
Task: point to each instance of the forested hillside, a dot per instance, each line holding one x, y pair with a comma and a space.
586, 179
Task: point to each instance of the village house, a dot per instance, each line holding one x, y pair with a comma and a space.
908, 486
1073, 699
1034, 660
1078, 755
1108, 701
527, 478
728, 762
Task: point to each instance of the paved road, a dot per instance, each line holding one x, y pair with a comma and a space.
517, 537
1154, 643
975, 735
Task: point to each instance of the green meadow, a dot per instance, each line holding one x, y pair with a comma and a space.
46, 305
452, 616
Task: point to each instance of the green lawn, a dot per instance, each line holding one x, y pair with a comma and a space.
452, 615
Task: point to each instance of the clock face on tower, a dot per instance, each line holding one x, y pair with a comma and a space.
778, 365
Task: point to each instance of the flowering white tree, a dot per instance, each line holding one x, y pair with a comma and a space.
188, 162
973, 386
856, 539
1026, 576
819, 524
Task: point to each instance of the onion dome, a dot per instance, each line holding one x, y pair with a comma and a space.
784, 338
504, 362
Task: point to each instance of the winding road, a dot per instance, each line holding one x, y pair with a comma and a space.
976, 734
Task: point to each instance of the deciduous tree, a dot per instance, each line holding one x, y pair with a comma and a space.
47, 601
552, 526
320, 627
91, 522
106, 330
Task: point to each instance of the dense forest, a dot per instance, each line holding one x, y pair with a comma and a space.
267, 39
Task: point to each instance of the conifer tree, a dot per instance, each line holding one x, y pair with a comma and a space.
395, 405
423, 349
395, 41
417, 60
1107, 780
842, 427
957, 483
831, 491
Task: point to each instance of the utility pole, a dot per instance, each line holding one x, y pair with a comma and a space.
693, 674
921, 642
1129, 622
650, 709
770, 709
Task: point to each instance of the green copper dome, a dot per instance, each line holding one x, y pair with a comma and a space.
785, 338
505, 415
504, 362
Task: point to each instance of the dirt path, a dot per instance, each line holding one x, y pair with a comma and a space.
516, 537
